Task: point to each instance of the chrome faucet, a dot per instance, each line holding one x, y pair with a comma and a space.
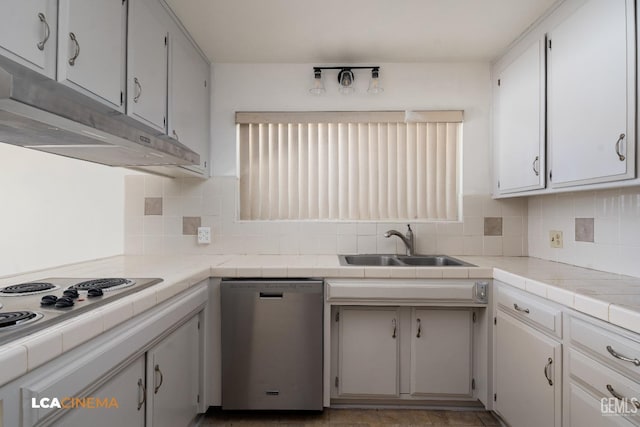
406, 239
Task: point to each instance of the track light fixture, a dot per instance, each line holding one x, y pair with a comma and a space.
346, 79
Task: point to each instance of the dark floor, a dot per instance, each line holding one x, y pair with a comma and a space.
352, 417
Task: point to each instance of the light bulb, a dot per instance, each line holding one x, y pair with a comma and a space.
318, 85
374, 83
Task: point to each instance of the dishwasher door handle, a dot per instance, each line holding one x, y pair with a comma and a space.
271, 295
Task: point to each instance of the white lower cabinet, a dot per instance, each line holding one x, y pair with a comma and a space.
602, 370
527, 374
127, 388
173, 377
441, 349
368, 351
403, 353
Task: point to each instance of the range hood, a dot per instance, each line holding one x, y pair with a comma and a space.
45, 115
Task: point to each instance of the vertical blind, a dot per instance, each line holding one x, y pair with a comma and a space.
349, 165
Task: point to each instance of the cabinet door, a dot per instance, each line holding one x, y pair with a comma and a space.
441, 352
368, 351
519, 122
147, 63
528, 375
591, 101
189, 95
28, 30
127, 388
173, 372
91, 48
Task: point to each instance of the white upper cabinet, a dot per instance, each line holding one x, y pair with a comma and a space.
519, 125
147, 63
591, 94
91, 48
28, 30
189, 97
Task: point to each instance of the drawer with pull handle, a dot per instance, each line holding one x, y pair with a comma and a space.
532, 309
605, 382
616, 350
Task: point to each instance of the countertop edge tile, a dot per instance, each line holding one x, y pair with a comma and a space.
13, 359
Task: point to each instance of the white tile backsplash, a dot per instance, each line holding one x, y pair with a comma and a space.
616, 216
214, 201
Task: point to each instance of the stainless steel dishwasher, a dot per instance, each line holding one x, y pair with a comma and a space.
272, 344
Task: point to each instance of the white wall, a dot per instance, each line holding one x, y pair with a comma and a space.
284, 87
55, 210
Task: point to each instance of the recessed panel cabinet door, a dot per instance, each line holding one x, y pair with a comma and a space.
92, 47
28, 30
147, 63
591, 94
173, 373
519, 122
128, 390
368, 351
528, 375
441, 352
189, 105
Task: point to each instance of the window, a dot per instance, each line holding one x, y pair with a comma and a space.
349, 165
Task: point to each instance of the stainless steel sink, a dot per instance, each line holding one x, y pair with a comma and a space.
384, 260
402, 260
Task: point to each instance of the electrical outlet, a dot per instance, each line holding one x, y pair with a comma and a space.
555, 238
204, 235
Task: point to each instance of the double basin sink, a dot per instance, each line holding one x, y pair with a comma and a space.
402, 261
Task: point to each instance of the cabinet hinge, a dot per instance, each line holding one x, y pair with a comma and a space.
549, 44
205, 163
498, 183
121, 97
123, 2
337, 316
550, 175
495, 320
164, 121
473, 317
205, 83
336, 382
198, 325
473, 383
165, 40
198, 399
495, 397
498, 82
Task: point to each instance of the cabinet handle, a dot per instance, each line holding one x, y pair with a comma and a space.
76, 53
47, 31
618, 143
395, 328
175, 135
546, 370
144, 393
524, 310
535, 166
621, 357
419, 328
621, 397
138, 92
156, 388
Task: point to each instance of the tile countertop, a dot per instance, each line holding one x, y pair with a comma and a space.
610, 297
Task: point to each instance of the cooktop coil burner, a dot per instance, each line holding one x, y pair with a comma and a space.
29, 288
17, 318
110, 284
